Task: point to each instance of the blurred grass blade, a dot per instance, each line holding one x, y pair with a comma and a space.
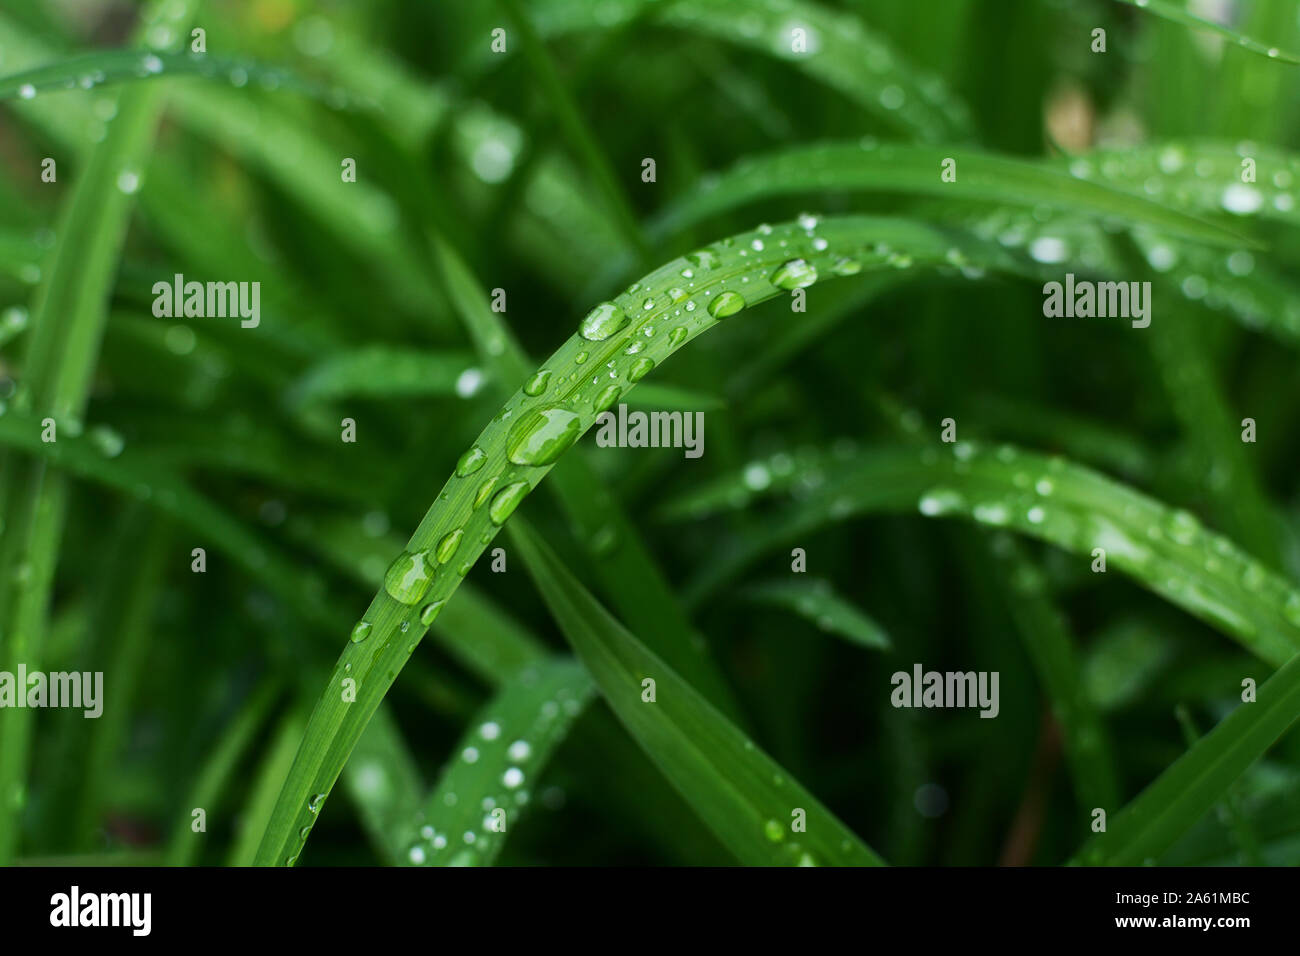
384, 783
747, 799
91, 70
1179, 14
58, 364
267, 780
980, 177
834, 48
491, 776
215, 775
1180, 796
380, 371
1166, 550
816, 601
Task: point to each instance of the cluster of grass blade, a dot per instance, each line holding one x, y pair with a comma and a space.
380, 306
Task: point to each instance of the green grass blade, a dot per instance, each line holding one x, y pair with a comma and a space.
1046, 636
215, 775
624, 566
748, 800
816, 601
491, 776
1166, 550
1183, 794
380, 371
685, 296
67, 321
1172, 11
268, 778
580, 136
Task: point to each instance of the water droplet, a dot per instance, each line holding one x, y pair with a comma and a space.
430, 611
520, 750
506, 501
677, 336
846, 267
640, 369
361, 632
470, 754
542, 436
448, 545
1241, 199
607, 397
725, 304
128, 181
408, 577
490, 730
27, 91
416, 855
773, 830
703, 259
513, 777
471, 461
538, 383
794, 274
314, 804
1049, 249
940, 502
602, 322
484, 490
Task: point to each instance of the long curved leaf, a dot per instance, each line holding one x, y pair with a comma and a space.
750, 802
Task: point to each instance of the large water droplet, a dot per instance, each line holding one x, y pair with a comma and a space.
725, 304
542, 436
607, 397
794, 274
506, 501
471, 461
448, 545
640, 369
361, 632
1241, 199
602, 322
484, 490
538, 383
408, 578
